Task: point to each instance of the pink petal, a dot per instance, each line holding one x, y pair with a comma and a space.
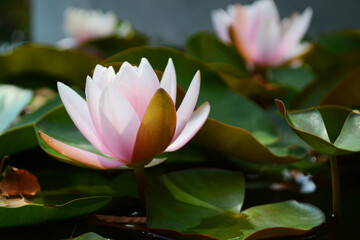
221, 21
195, 123
127, 83
83, 157
188, 104
103, 76
296, 51
79, 113
93, 93
268, 32
168, 81
294, 32
242, 33
148, 85
120, 123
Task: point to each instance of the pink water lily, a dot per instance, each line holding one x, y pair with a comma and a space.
82, 25
130, 116
258, 33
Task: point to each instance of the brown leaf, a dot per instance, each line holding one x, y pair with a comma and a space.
122, 219
19, 182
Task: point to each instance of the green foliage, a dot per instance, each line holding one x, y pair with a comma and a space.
329, 129
12, 102
215, 210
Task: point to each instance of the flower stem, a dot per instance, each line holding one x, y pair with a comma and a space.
335, 186
140, 180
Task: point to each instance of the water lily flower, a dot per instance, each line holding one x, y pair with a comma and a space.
258, 33
82, 25
130, 116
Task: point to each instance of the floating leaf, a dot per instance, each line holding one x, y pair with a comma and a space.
331, 68
328, 129
89, 236
112, 45
346, 92
208, 48
23, 131
296, 78
228, 109
12, 101
340, 42
215, 210
242, 82
39, 66
33, 213
68, 192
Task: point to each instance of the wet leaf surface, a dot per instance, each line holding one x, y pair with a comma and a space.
332, 130
215, 210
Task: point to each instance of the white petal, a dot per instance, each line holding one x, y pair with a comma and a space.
294, 33
148, 85
221, 21
120, 123
93, 93
126, 82
267, 31
78, 111
187, 106
168, 81
103, 76
195, 123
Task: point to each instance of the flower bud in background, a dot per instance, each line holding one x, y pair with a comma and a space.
129, 116
81, 25
258, 33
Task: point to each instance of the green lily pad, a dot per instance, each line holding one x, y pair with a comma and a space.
229, 111
295, 78
346, 93
208, 48
67, 192
38, 66
331, 68
113, 44
331, 130
38, 213
215, 210
242, 82
12, 101
79, 183
340, 42
89, 236
23, 131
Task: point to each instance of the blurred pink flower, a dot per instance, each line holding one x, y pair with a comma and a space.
82, 25
129, 116
259, 35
